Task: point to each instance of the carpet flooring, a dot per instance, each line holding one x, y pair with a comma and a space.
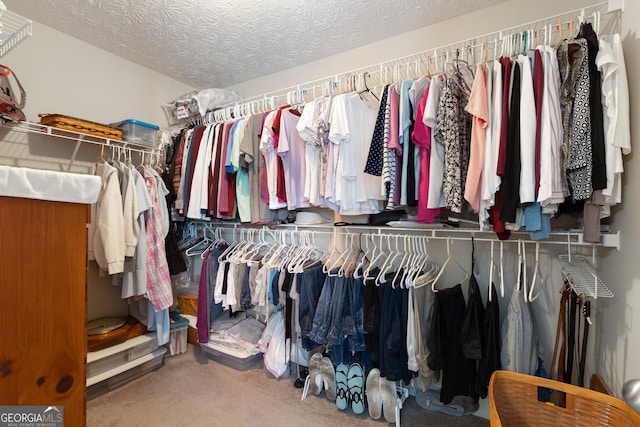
192, 390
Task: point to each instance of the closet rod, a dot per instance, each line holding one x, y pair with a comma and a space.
314, 86
557, 238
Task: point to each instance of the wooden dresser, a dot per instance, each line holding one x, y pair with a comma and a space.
43, 292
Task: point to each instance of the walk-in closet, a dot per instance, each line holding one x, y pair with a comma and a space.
411, 213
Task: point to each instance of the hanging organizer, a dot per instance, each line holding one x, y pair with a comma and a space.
14, 29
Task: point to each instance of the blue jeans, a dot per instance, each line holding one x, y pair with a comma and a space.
322, 318
346, 333
309, 286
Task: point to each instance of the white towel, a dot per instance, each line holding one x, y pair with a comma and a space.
49, 185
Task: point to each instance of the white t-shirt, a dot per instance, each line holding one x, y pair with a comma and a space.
615, 103
198, 196
352, 126
527, 132
552, 189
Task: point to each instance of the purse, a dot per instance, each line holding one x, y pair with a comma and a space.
10, 106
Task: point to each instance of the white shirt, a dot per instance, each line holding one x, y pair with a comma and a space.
351, 131
490, 179
527, 133
553, 184
198, 194
615, 103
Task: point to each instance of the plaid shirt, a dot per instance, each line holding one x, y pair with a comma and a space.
158, 280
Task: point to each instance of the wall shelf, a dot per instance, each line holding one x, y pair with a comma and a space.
14, 29
78, 137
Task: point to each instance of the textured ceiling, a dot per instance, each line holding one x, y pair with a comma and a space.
218, 43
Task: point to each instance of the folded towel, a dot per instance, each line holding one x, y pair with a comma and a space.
49, 185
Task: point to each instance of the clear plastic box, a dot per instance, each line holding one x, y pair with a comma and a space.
114, 378
229, 358
137, 132
111, 357
178, 338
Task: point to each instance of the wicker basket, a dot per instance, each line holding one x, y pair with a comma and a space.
79, 125
513, 400
188, 304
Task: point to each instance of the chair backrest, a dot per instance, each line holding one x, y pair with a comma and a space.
513, 400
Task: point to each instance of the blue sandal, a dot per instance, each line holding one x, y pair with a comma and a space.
342, 390
355, 380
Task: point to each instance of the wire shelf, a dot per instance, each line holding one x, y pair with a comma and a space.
14, 29
582, 277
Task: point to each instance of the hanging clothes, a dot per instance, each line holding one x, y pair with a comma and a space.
444, 344
573, 66
453, 131
491, 356
422, 139
518, 352
473, 339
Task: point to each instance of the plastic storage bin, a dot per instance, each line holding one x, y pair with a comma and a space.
120, 375
178, 336
137, 132
111, 357
229, 357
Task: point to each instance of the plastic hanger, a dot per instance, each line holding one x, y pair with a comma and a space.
374, 258
450, 258
401, 266
525, 285
534, 280
332, 254
101, 157
519, 270
388, 262
363, 258
501, 269
491, 266
198, 248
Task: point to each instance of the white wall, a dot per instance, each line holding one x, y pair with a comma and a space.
67, 76
64, 75
619, 338
615, 338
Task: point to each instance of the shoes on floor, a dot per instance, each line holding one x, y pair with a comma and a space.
342, 389
315, 375
328, 375
355, 381
389, 399
374, 397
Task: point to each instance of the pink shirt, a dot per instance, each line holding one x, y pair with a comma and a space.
478, 106
422, 138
